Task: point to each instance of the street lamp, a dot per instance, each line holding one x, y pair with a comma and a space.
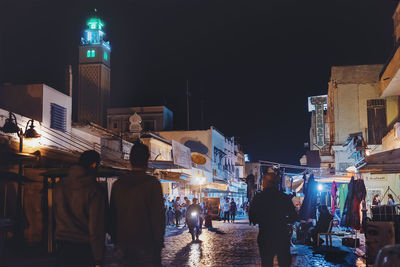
11, 126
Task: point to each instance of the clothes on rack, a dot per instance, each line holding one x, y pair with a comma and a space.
334, 197
309, 205
360, 192
343, 189
347, 216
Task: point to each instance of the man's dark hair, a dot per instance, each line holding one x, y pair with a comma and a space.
139, 155
89, 157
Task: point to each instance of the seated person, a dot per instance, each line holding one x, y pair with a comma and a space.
325, 217
376, 201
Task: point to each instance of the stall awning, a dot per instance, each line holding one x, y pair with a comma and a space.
101, 172
383, 162
177, 177
216, 186
163, 165
223, 192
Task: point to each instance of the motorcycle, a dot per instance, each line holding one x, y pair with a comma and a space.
194, 225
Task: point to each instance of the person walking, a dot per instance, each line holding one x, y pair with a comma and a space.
137, 214
177, 211
225, 209
272, 210
170, 216
232, 210
185, 206
79, 206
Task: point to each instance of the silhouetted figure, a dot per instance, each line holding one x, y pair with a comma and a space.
177, 210
194, 219
377, 200
225, 209
325, 218
232, 210
272, 210
79, 205
137, 214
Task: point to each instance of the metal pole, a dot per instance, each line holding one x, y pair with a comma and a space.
187, 104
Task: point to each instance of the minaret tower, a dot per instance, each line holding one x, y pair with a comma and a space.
94, 74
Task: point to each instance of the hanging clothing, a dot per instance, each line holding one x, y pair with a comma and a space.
360, 193
309, 205
343, 189
334, 196
347, 218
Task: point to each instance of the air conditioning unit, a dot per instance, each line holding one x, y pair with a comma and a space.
396, 129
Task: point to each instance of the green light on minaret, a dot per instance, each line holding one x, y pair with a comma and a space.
95, 24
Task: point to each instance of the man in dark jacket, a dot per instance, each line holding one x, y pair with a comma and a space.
272, 210
137, 214
79, 204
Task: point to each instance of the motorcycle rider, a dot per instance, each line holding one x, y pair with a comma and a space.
194, 219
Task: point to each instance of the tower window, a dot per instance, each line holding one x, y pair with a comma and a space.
105, 56
90, 53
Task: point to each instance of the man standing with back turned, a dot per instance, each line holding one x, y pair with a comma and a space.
79, 204
272, 210
137, 214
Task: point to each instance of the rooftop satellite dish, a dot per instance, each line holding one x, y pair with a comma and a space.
198, 158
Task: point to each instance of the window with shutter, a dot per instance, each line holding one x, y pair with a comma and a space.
376, 112
58, 120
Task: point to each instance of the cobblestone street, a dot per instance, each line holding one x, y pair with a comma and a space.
224, 245
235, 245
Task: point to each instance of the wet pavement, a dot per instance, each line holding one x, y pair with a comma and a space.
235, 245
226, 244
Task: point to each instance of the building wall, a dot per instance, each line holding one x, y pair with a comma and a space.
390, 141
51, 95
25, 100
379, 183
351, 87
158, 149
342, 160
159, 116
218, 150
198, 141
93, 93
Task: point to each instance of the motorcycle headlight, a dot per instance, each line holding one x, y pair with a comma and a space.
194, 214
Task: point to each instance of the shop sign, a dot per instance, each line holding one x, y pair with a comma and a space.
376, 178
181, 155
319, 103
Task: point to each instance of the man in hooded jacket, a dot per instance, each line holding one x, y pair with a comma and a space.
273, 210
79, 206
137, 214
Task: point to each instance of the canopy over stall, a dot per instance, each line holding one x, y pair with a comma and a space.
383, 162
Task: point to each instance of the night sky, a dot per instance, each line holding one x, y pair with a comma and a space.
252, 62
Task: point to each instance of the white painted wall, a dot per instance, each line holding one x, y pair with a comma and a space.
51, 95
381, 182
203, 136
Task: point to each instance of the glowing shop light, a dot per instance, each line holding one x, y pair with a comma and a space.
320, 187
